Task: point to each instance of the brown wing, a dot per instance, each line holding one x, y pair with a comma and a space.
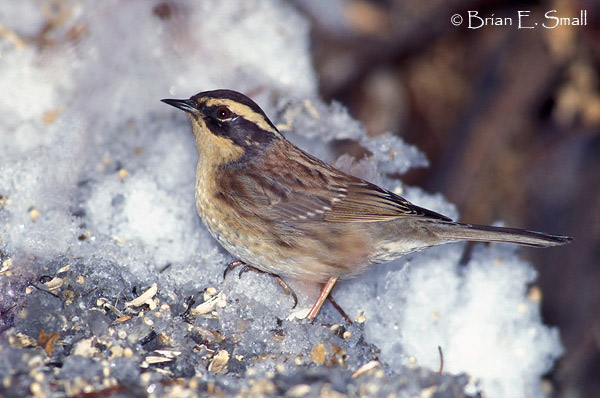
315, 191
366, 202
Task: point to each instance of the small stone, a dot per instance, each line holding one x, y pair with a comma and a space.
144, 298
301, 313
211, 290
39, 377
328, 392
21, 340
318, 354
298, 391
36, 389
153, 359
6, 266
219, 362
116, 351
33, 214
54, 284
165, 339
366, 368
360, 318
428, 392
68, 296
207, 306
85, 348
262, 388
146, 377
64, 269
105, 369
122, 174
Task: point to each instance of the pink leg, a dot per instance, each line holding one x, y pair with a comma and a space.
322, 297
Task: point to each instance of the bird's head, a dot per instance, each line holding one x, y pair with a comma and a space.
227, 124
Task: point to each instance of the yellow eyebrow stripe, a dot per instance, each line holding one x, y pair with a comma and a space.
244, 111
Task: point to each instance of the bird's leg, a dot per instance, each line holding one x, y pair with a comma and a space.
339, 309
286, 288
322, 297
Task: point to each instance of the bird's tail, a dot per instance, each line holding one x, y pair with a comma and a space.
484, 233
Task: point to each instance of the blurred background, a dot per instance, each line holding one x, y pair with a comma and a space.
509, 119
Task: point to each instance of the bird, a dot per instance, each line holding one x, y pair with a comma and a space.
283, 211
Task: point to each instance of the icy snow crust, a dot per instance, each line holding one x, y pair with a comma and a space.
97, 208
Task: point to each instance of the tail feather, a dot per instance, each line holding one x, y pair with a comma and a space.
485, 233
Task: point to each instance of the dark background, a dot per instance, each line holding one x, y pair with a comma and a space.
510, 121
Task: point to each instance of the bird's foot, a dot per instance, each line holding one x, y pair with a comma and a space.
231, 266
339, 309
286, 288
326, 295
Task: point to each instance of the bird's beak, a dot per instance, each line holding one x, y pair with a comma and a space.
185, 105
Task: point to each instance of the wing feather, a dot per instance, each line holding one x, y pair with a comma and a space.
332, 196
366, 202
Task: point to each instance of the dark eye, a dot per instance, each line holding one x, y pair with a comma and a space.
223, 113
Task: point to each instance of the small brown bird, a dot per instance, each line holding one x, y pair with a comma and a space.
285, 212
